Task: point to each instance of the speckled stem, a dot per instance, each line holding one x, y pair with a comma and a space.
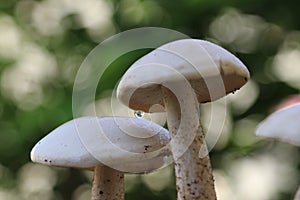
108, 184
297, 196
194, 179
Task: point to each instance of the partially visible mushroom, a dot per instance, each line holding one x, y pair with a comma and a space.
175, 78
111, 146
290, 100
283, 125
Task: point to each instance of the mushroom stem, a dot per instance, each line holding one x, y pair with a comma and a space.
194, 179
297, 196
108, 184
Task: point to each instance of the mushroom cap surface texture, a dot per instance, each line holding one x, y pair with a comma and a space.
125, 144
283, 125
209, 69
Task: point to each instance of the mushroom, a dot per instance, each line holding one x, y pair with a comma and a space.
272, 126
283, 125
111, 146
290, 100
175, 78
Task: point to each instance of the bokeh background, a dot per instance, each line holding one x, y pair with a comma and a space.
43, 43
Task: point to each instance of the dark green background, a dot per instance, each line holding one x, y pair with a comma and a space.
21, 126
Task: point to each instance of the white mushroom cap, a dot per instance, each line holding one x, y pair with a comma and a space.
283, 125
211, 70
125, 144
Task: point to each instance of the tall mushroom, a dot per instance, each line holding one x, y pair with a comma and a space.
111, 146
283, 125
175, 78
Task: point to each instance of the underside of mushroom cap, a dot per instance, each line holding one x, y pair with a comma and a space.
211, 71
125, 144
283, 125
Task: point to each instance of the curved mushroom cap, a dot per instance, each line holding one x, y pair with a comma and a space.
211, 70
125, 144
283, 125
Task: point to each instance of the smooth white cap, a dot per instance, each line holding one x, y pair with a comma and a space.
125, 144
211, 71
283, 125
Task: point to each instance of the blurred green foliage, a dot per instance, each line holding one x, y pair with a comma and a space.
43, 43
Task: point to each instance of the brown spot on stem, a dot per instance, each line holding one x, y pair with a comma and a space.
146, 147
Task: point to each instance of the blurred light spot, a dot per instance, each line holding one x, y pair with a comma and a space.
88, 174
159, 179
286, 66
111, 106
272, 37
10, 40
8, 195
292, 40
216, 121
23, 12
262, 177
98, 19
223, 186
83, 192
70, 68
94, 15
47, 15
137, 12
286, 153
244, 98
37, 181
239, 30
23, 82
244, 132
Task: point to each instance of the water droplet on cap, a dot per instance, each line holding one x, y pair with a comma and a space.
139, 114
